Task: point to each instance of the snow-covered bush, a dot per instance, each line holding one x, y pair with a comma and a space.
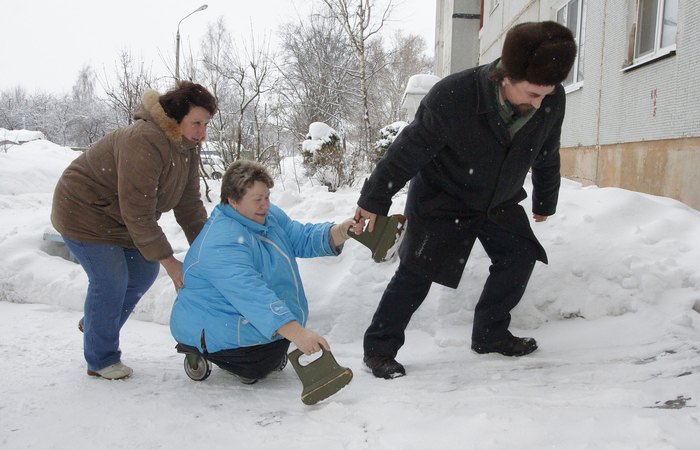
387, 135
326, 159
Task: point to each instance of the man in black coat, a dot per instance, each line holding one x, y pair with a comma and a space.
467, 153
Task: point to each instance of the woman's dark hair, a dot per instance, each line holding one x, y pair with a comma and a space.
242, 175
177, 103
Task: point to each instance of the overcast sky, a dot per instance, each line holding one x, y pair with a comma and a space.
45, 43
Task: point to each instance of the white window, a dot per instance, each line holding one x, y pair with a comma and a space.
494, 5
657, 21
572, 15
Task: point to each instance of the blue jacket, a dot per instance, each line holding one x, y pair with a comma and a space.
242, 281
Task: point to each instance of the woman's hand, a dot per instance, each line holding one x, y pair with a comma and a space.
174, 269
306, 340
339, 233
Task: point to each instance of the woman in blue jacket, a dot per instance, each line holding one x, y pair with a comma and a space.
243, 300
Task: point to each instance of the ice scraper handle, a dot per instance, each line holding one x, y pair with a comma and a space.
384, 240
361, 215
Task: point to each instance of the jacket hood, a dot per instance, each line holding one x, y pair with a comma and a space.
150, 106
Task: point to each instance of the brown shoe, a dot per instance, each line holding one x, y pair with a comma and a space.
384, 367
512, 346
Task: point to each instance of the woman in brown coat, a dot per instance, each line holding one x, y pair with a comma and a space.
108, 202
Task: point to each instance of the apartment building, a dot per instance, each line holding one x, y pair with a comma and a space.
632, 119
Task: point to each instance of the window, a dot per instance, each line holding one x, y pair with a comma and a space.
657, 21
572, 16
494, 4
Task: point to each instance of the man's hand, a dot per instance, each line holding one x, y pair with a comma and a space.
361, 216
539, 218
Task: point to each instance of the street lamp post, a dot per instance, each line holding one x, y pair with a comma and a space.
177, 41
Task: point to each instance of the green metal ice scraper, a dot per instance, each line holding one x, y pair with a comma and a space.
321, 378
384, 239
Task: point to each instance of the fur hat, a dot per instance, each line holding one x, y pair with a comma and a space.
540, 53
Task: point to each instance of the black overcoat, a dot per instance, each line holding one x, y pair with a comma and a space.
464, 168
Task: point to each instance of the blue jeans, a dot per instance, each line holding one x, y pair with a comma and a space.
118, 277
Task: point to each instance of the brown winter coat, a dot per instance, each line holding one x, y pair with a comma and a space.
115, 192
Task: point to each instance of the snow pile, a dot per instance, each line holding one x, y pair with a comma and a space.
420, 84
19, 136
615, 314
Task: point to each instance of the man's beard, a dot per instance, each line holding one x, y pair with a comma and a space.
523, 109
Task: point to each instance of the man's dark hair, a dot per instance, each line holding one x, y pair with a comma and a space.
178, 102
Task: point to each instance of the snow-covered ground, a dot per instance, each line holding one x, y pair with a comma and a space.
615, 314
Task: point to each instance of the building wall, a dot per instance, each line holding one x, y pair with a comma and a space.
667, 167
443, 42
498, 21
657, 99
636, 128
456, 35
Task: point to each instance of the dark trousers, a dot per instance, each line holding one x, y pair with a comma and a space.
253, 362
512, 257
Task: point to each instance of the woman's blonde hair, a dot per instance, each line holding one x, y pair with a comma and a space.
242, 175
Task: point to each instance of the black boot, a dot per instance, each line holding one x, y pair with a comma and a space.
384, 367
512, 346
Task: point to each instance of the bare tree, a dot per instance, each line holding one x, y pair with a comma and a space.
40, 112
216, 44
88, 119
133, 78
406, 58
240, 80
14, 108
84, 87
316, 85
356, 18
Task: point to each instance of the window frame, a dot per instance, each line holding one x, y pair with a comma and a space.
658, 51
580, 38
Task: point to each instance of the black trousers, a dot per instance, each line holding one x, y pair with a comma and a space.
253, 362
512, 257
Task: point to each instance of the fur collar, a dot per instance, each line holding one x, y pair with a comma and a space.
169, 125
